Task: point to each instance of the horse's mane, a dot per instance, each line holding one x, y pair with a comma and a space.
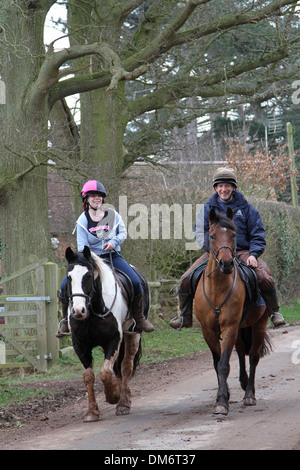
224, 221
98, 264
94, 262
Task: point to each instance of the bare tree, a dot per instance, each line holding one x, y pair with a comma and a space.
163, 47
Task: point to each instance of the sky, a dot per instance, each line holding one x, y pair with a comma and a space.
53, 31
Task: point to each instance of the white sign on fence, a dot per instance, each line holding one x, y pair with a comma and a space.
2, 353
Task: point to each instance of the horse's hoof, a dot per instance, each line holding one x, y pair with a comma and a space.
249, 401
122, 410
91, 417
221, 410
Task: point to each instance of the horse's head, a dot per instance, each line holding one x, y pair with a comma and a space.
222, 239
81, 275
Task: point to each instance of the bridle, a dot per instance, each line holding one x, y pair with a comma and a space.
106, 312
215, 254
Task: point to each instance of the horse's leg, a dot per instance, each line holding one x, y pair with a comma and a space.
258, 337
85, 356
229, 336
131, 345
92, 413
240, 349
211, 337
110, 381
212, 340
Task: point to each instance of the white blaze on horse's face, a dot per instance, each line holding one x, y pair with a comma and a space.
79, 298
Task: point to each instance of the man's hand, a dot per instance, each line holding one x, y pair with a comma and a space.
252, 261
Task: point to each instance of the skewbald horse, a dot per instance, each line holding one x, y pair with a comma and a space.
97, 312
220, 305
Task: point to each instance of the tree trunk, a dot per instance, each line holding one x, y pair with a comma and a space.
24, 206
104, 119
104, 115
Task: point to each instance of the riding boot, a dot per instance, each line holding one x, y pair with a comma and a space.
185, 319
270, 298
138, 314
63, 329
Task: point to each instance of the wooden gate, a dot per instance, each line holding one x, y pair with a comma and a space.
28, 322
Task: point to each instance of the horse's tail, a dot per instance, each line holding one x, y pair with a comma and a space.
267, 346
136, 360
246, 336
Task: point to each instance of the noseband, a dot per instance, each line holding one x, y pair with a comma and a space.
89, 301
216, 253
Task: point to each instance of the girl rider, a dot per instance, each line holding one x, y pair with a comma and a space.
103, 231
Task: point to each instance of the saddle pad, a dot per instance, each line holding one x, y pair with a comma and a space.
247, 274
125, 283
196, 275
249, 277
128, 287
146, 291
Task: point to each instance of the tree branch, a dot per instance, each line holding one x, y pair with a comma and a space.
129, 6
228, 21
216, 84
169, 37
49, 72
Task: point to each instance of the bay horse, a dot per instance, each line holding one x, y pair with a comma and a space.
220, 305
96, 314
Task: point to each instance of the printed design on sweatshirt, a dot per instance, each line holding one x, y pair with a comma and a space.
239, 213
106, 225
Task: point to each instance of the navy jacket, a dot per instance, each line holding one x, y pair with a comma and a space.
250, 234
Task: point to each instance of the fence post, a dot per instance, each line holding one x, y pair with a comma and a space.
51, 283
41, 320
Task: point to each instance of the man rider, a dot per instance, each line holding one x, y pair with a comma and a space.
250, 245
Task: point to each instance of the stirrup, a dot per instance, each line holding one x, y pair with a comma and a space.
181, 320
61, 333
277, 320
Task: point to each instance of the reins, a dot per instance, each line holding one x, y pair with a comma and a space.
215, 256
218, 309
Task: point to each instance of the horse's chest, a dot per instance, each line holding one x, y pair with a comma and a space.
95, 331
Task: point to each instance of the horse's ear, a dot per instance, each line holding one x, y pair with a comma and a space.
69, 254
87, 252
229, 213
212, 215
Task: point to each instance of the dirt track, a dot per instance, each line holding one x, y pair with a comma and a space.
172, 407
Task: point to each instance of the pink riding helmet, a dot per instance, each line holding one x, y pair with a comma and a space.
91, 187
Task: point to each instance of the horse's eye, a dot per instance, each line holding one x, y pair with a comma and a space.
212, 237
233, 235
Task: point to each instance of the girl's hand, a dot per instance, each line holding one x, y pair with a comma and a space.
108, 246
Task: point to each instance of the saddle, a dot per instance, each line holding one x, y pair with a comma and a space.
247, 274
127, 288
249, 277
